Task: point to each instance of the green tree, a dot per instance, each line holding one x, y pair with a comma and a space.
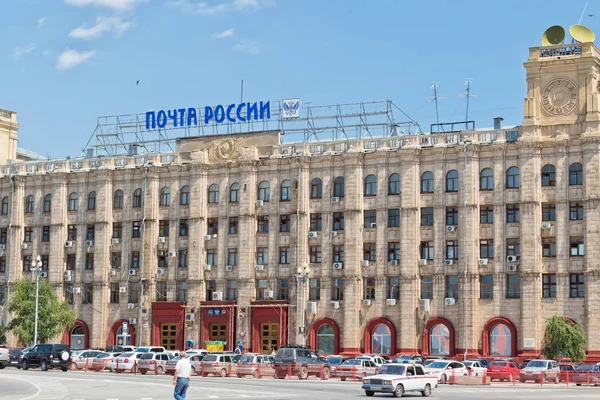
54, 316
2, 335
563, 340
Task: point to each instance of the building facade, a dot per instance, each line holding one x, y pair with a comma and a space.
449, 244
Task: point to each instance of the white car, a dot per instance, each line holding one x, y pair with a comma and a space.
379, 361
399, 379
475, 368
125, 362
445, 369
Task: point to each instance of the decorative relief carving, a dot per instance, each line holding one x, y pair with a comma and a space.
559, 96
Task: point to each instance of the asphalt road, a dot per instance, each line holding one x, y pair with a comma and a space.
57, 385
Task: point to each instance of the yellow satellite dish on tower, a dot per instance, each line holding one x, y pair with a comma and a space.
553, 36
582, 34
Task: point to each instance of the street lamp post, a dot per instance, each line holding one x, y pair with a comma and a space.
302, 275
36, 268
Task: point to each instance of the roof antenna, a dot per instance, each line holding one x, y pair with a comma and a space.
435, 98
467, 94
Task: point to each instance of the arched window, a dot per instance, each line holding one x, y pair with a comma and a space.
576, 174
165, 197
123, 337
184, 197
338, 187
286, 190
513, 178
137, 198
118, 200
5, 206
29, 204
371, 185
486, 179
427, 182
47, 203
548, 175
264, 191
78, 338
73, 202
316, 188
213, 193
91, 204
439, 340
381, 340
234, 193
452, 181
394, 184
326, 339
500, 341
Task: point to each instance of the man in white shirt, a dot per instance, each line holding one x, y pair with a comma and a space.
181, 379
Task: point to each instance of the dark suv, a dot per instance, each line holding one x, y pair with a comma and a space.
301, 360
47, 356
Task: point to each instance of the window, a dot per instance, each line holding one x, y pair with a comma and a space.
439, 340
284, 255
393, 218
213, 193
136, 229
486, 248
370, 188
370, 252
513, 247
393, 251
47, 203
548, 211
74, 202
118, 200
137, 198
513, 178
426, 216
315, 254
427, 182
393, 288
69, 296
135, 259
337, 292
284, 289
133, 292
263, 223
338, 253
513, 286
286, 191
28, 234
338, 187
316, 222
232, 256
71, 262
549, 246
45, 262
486, 179
452, 250
91, 203
232, 290
284, 223
234, 193
183, 259
261, 288
262, 256
452, 287
114, 293
316, 188
163, 228
369, 288
381, 341
314, 291
513, 213
451, 215
183, 227
117, 232
427, 287
29, 205
427, 250
233, 225
89, 261
326, 339
91, 232
370, 218
5, 206
162, 259
27, 263
264, 191
184, 196
115, 260
548, 175
501, 341
165, 197
338, 221
211, 257
162, 289
88, 293
575, 174
486, 286
3, 235
486, 214
71, 232
548, 285
45, 233
181, 291
451, 181
577, 246
576, 210
394, 184
577, 285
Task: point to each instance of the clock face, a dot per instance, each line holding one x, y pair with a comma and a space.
559, 96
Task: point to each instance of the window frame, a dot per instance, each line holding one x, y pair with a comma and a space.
394, 187
370, 186
513, 180
452, 181
427, 182
548, 175
316, 188
486, 182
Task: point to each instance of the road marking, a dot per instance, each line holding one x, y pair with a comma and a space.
213, 397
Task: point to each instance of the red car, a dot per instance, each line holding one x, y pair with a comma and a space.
566, 371
503, 370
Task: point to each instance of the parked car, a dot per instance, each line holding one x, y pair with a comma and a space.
125, 362
301, 360
378, 360
475, 368
250, 363
586, 374
120, 349
14, 356
47, 356
102, 361
566, 371
82, 359
445, 369
484, 363
357, 368
220, 364
540, 371
524, 363
503, 371
410, 359
153, 362
399, 379
155, 349
194, 359
4, 357
336, 361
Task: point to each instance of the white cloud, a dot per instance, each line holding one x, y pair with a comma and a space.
41, 21
21, 51
117, 5
225, 34
247, 46
71, 58
204, 8
103, 25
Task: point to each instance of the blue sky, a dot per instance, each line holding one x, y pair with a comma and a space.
65, 62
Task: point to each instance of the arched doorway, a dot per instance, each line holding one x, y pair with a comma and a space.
121, 336
380, 337
325, 336
438, 338
77, 337
499, 338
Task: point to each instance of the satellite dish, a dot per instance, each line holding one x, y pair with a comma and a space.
553, 36
582, 34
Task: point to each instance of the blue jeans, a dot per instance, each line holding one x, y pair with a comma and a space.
181, 388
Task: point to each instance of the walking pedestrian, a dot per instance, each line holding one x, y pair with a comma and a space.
181, 379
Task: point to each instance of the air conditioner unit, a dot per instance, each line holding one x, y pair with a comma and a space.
123, 289
425, 305
260, 267
207, 237
133, 320
217, 296
449, 301
394, 262
449, 262
312, 234
335, 199
334, 233
229, 268
335, 305
24, 246
511, 258
311, 307
546, 225
172, 254
76, 290
68, 243
373, 224
89, 243
483, 261
189, 317
43, 274
422, 261
131, 305
116, 240
451, 228
67, 276
112, 272
132, 272
513, 267
366, 302
365, 263
268, 294
162, 239
207, 267
161, 271
260, 203
161, 253
390, 302
338, 265
2, 247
